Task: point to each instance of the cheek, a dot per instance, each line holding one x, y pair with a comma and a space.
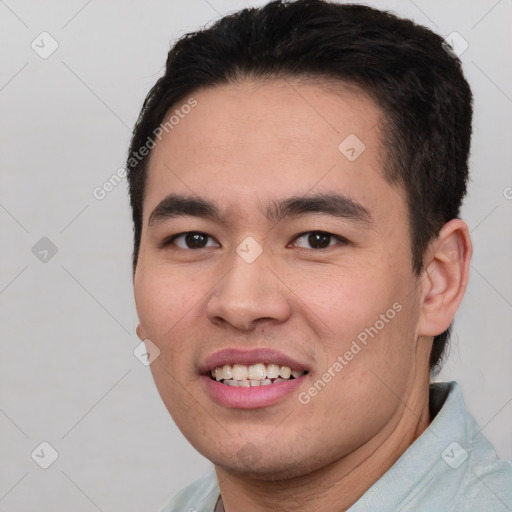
166, 300
368, 318
167, 307
367, 371
345, 301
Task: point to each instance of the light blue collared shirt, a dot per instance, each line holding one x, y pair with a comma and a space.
451, 467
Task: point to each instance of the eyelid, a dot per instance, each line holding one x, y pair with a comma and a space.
170, 239
340, 239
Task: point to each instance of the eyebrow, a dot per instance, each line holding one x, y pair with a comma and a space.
333, 204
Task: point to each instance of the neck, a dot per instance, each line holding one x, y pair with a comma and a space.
340, 484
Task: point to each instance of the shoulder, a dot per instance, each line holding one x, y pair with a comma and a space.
200, 496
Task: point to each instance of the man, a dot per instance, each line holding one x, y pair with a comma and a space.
295, 180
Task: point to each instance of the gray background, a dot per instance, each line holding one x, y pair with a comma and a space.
68, 375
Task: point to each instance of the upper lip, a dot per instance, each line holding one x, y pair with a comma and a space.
249, 357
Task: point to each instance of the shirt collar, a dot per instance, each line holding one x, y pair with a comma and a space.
432, 456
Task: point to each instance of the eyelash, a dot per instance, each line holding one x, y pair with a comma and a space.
170, 240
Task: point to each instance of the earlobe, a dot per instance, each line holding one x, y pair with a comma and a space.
140, 332
445, 277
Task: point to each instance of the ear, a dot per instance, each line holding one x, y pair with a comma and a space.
444, 278
140, 332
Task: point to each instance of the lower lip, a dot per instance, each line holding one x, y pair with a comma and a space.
249, 397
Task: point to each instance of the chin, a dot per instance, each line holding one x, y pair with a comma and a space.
272, 466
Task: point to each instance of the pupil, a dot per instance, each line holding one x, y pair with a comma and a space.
319, 240
195, 240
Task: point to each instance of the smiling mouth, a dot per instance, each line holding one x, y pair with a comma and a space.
260, 374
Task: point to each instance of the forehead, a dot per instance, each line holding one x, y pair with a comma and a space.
252, 140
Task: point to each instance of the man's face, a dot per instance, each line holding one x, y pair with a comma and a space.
314, 286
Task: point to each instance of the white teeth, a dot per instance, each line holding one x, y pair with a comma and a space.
258, 374
226, 371
248, 383
285, 372
239, 372
272, 371
257, 371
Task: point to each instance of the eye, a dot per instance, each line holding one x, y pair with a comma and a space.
189, 240
318, 240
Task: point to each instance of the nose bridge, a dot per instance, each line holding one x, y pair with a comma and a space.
249, 291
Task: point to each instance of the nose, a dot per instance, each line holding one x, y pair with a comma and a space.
250, 294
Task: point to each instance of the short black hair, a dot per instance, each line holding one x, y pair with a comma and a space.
404, 67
